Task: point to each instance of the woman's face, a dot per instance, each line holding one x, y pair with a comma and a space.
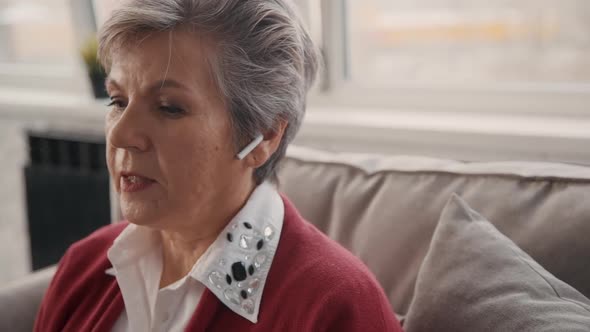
170, 151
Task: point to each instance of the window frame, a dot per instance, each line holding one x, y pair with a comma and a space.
518, 121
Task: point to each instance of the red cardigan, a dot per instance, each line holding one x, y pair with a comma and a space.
313, 285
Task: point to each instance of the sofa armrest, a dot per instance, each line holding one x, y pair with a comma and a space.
20, 300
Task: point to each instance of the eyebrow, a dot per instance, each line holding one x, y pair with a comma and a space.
160, 84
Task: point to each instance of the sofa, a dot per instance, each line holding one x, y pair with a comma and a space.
386, 210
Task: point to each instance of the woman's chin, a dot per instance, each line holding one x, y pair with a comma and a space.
137, 213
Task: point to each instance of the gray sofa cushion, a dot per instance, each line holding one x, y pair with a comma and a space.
385, 209
475, 279
19, 301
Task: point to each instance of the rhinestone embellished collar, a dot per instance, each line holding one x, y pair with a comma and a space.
235, 267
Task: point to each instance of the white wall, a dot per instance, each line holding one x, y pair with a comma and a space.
14, 240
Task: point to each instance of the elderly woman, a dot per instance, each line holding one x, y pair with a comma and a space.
205, 97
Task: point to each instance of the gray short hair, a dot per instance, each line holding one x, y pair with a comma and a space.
266, 64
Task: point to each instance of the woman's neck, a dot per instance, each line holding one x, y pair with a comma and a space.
182, 247
180, 254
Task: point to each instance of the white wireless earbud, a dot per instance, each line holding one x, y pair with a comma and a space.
250, 147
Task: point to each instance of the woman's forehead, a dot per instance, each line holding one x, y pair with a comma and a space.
177, 58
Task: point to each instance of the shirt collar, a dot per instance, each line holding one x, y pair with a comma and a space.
236, 265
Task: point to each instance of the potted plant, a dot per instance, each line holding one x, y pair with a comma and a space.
95, 71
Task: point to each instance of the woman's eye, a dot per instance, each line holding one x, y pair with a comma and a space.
116, 104
171, 110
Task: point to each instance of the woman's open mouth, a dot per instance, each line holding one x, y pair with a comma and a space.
133, 183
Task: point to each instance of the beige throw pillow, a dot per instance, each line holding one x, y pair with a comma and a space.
475, 279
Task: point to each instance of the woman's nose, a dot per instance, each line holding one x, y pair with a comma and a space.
128, 129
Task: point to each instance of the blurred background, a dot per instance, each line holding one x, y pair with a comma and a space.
459, 79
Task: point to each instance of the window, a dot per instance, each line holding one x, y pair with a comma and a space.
466, 41
36, 32
39, 42
506, 54
102, 9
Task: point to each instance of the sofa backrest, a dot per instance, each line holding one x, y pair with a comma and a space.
385, 208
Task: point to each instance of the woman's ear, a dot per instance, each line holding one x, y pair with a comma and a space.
270, 143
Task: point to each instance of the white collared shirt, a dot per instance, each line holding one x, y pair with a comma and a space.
234, 268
